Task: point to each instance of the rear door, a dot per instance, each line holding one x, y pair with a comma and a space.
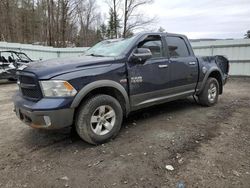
183, 66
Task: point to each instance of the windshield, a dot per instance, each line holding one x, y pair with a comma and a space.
13, 56
23, 57
110, 48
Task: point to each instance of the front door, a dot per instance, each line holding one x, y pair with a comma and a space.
148, 81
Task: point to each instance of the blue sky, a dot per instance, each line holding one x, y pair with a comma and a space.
200, 18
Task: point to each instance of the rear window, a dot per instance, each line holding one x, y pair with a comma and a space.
177, 47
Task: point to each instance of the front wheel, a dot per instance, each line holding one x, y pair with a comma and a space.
210, 93
99, 119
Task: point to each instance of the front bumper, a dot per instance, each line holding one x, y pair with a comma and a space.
40, 115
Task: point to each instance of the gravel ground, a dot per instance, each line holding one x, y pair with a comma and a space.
207, 147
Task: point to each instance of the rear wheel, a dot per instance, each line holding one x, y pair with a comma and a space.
99, 119
209, 95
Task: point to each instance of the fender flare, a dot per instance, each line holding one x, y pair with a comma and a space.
98, 84
206, 77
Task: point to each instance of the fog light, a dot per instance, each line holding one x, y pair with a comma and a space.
47, 120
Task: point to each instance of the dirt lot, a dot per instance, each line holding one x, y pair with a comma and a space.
208, 147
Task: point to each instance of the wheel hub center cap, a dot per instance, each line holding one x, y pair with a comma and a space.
103, 120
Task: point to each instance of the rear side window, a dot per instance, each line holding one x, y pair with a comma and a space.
177, 47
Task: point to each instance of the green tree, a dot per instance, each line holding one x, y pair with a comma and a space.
103, 31
113, 24
161, 29
247, 35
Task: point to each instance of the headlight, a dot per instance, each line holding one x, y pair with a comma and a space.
57, 88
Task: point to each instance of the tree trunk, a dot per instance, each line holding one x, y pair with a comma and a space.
115, 18
125, 19
57, 24
8, 20
52, 30
63, 22
49, 24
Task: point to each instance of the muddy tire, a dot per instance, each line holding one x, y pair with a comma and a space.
210, 93
99, 119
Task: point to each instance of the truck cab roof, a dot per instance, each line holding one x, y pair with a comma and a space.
162, 34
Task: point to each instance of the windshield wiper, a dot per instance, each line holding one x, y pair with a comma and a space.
96, 55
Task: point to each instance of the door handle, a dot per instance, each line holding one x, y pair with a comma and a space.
192, 63
162, 66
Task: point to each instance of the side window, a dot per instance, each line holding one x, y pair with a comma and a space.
154, 45
6, 56
177, 47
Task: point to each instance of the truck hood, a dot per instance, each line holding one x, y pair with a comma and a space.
54, 67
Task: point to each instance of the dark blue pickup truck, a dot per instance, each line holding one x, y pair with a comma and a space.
94, 92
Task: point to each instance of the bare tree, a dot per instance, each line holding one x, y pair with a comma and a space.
132, 19
50, 5
64, 17
87, 14
7, 10
64, 22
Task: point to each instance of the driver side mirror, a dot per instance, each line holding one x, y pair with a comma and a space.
140, 55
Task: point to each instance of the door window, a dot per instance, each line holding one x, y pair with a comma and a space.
154, 44
177, 47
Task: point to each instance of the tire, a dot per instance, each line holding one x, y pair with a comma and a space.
99, 119
210, 93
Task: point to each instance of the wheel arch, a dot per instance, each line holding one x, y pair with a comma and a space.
213, 73
218, 77
108, 87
